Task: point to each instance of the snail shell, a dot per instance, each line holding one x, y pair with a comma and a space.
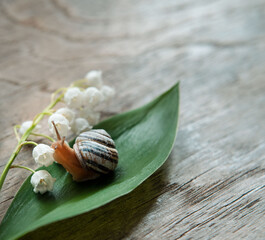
96, 150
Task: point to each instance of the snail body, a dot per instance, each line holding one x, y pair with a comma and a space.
92, 155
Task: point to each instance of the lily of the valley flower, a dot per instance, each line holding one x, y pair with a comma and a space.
43, 155
80, 125
94, 79
62, 124
92, 97
67, 113
25, 126
73, 97
42, 181
91, 116
107, 92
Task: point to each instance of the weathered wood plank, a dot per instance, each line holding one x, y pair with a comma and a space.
213, 184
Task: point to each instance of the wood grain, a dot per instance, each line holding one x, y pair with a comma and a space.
213, 184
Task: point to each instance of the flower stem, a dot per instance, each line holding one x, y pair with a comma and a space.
28, 142
24, 137
43, 135
79, 83
42, 113
16, 133
19, 166
57, 92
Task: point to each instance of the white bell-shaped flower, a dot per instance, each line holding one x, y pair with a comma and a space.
80, 125
61, 124
92, 97
94, 79
91, 116
73, 97
67, 113
107, 92
42, 181
43, 155
25, 126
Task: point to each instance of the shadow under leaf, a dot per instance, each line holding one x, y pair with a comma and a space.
111, 221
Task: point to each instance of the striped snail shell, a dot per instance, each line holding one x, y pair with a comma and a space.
93, 154
96, 151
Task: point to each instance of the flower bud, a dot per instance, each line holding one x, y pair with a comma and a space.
67, 113
43, 155
107, 92
92, 117
42, 181
61, 124
92, 97
25, 126
73, 97
80, 125
94, 79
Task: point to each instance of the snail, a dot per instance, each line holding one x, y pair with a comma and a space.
92, 155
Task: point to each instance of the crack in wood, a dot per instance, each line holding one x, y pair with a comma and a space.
7, 199
217, 213
174, 187
10, 81
205, 193
32, 24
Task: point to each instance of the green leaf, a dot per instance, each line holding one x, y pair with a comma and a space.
144, 138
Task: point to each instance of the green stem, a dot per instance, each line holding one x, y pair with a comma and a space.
24, 137
57, 92
42, 113
43, 135
19, 166
28, 142
16, 133
79, 83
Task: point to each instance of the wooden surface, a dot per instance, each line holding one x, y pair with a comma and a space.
213, 184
